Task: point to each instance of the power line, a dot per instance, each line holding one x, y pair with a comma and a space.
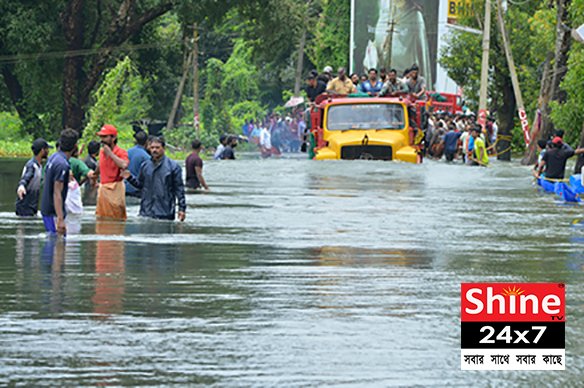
15, 58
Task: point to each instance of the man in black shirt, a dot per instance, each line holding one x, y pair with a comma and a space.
555, 158
92, 153
29, 186
228, 153
314, 87
194, 167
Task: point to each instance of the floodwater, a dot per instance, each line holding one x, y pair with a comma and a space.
290, 273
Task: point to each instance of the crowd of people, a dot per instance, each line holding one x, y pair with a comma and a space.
375, 83
277, 133
459, 137
110, 175
452, 136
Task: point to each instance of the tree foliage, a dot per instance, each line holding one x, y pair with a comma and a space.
331, 32
569, 115
120, 98
529, 26
55, 55
232, 91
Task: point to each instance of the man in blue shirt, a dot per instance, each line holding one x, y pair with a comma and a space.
451, 143
137, 156
373, 85
160, 180
57, 182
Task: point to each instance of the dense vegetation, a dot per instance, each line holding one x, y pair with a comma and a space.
549, 63
79, 63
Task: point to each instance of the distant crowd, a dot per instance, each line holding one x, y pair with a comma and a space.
459, 137
452, 136
277, 133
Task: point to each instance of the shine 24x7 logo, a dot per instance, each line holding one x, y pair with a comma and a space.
512, 326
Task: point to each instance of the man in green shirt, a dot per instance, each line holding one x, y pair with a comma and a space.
481, 158
80, 170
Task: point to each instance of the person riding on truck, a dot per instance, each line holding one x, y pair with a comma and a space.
341, 85
416, 83
393, 85
373, 85
314, 87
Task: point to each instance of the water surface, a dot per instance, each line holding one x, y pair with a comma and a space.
291, 272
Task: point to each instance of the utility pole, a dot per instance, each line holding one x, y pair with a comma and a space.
179, 92
196, 80
485, 66
513, 74
300, 63
390, 31
301, 47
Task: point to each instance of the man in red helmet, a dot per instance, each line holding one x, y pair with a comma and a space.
111, 195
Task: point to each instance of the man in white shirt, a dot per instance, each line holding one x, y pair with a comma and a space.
265, 143
220, 147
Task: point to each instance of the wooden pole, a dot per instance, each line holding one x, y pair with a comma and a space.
530, 156
300, 63
485, 67
301, 48
196, 81
513, 73
390, 32
179, 92
580, 160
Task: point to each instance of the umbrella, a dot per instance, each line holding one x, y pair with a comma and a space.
294, 101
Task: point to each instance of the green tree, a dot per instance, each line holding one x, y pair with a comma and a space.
569, 114
462, 60
215, 118
241, 77
331, 32
119, 99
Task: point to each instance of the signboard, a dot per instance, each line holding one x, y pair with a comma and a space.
457, 9
399, 33
524, 125
395, 34
513, 326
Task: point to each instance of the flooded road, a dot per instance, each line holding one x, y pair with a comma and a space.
290, 273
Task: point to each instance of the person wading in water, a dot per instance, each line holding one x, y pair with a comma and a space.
111, 195
161, 184
29, 186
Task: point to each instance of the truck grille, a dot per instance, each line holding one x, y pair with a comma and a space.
366, 152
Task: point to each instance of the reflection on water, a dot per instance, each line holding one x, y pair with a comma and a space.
109, 268
346, 256
290, 273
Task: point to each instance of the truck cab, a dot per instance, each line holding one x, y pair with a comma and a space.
378, 128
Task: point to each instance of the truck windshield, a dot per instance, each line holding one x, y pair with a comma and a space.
365, 116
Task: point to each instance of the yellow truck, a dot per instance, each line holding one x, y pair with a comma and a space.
378, 128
